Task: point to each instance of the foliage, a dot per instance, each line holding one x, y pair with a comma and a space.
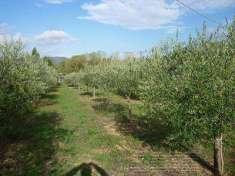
49, 61
35, 53
23, 79
192, 87
79, 62
189, 86
121, 77
72, 79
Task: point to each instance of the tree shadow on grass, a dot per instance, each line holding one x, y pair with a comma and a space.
48, 99
87, 169
90, 93
149, 131
87, 93
196, 157
105, 105
232, 160
152, 132
28, 144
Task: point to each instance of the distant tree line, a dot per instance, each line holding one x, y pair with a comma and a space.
79, 62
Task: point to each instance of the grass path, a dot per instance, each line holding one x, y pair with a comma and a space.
87, 141
69, 135
95, 138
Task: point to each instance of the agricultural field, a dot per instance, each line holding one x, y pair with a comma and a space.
168, 111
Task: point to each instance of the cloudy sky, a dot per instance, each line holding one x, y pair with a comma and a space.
68, 27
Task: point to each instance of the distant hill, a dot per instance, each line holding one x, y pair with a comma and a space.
57, 60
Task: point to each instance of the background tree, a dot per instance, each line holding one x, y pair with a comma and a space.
35, 53
48, 61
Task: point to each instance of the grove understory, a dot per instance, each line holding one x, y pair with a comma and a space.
72, 133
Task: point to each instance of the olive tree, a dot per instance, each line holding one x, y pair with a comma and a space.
122, 77
23, 79
192, 89
72, 79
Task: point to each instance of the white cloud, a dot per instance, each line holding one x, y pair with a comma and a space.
146, 14
53, 42
53, 37
133, 14
50, 42
50, 37
57, 1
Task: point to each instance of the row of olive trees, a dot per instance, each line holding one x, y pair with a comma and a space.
120, 77
188, 86
192, 88
23, 79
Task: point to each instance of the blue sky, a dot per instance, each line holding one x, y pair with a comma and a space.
69, 27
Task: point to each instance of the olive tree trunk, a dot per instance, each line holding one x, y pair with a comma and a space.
218, 156
129, 108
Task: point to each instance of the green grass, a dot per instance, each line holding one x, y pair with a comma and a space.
71, 132
61, 135
88, 141
108, 104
